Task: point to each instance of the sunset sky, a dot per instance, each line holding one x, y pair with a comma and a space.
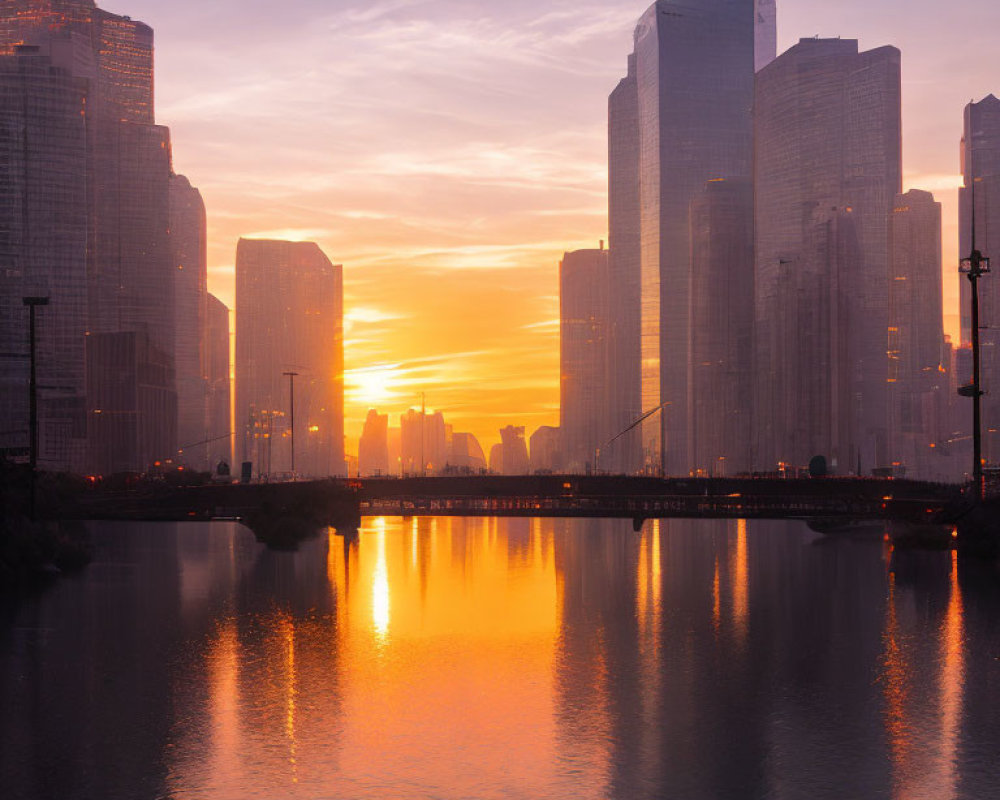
447, 152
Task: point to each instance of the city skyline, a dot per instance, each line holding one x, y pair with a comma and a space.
494, 183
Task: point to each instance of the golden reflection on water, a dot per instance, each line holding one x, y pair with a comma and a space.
741, 579
923, 706
441, 637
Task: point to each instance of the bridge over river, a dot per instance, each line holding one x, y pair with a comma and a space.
283, 513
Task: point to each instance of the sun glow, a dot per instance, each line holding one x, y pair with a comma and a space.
372, 386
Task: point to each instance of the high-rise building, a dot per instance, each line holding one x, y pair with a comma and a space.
624, 290
694, 77
219, 426
289, 318
827, 171
189, 260
43, 248
720, 383
981, 172
373, 447
916, 331
583, 346
126, 162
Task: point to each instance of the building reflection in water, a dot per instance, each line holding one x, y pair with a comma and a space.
489, 658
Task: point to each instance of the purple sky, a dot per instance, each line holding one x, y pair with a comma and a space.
448, 151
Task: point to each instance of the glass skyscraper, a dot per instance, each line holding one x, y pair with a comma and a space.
827, 172
694, 82
289, 318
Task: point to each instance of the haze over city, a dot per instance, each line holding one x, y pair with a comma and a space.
448, 153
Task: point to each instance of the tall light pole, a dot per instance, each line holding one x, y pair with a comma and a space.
975, 266
291, 403
32, 303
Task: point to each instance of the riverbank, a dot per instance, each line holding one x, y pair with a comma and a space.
33, 552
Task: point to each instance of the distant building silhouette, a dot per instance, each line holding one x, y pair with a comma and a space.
496, 459
918, 391
720, 382
424, 442
219, 426
189, 261
545, 450
373, 447
583, 357
694, 79
827, 169
465, 453
981, 164
514, 451
289, 318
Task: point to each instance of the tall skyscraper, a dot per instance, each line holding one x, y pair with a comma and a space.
720, 385
916, 331
289, 318
373, 447
583, 361
219, 426
981, 169
624, 386
43, 250
827, 170
126, 163
694, 78
189, 260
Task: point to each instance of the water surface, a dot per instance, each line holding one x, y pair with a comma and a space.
450, 658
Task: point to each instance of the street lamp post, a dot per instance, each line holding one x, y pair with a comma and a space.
291, 407
32, 303
975, 266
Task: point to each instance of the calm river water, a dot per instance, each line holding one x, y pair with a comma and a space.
446, 658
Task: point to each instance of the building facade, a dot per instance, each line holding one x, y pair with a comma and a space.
125, 160
189, 262
373, 447
981, 172
827, 171
694, 79
218, 405
917, 375
43, 253
583, 357
624, 291
720, 380
289, 318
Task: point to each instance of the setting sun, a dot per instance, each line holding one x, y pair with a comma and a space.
371, 386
